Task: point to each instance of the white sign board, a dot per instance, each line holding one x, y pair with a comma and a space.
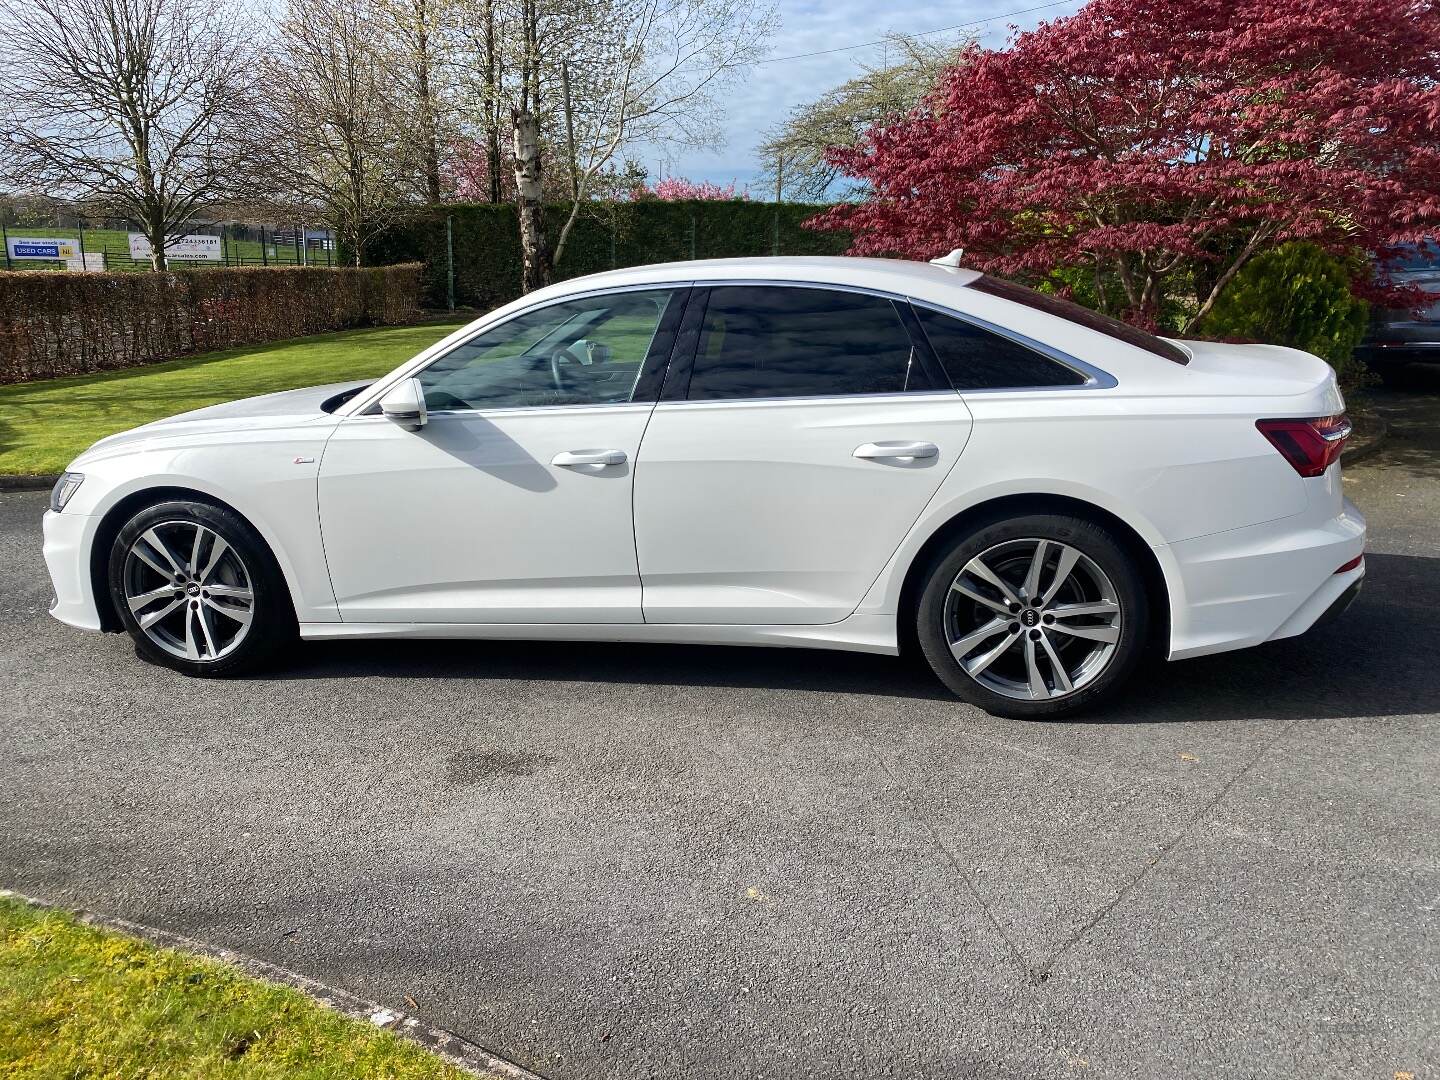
194, 247
93, 260
37, 247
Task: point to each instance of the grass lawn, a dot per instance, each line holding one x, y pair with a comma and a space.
44, 425
76, 1001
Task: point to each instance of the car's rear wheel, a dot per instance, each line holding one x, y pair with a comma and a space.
1034, 616
198, 589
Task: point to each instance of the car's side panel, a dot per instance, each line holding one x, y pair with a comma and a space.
759, 511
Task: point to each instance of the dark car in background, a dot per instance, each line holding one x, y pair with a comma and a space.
1400, 337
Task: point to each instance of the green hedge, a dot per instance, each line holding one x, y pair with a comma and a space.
1297, 295
55, 323
487, 241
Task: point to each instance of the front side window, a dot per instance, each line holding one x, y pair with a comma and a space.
979, 359
589, 351
759, 341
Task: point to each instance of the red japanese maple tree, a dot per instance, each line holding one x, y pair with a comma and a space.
1151, 147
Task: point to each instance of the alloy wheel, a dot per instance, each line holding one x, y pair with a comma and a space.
1032, 619
189, 590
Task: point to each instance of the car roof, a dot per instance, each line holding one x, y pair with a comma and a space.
925, 280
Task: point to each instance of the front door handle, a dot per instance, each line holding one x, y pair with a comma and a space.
913, 450
570, 458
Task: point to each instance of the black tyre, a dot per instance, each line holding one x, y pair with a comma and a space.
199, 590
1034, 616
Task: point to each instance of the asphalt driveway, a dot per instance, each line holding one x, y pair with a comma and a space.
626, 861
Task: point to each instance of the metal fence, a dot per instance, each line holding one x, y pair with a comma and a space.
107, 246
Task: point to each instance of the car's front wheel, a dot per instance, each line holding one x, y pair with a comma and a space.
198, 590
1034, 616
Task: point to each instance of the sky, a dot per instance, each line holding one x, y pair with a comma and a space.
765, 94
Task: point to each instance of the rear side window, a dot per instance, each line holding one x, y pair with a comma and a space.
977, 359
1083, 316
760, 341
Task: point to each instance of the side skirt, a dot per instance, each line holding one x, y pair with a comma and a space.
858, 633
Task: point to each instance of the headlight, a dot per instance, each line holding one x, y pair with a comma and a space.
67, 485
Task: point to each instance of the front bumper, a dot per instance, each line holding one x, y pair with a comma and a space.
67, 546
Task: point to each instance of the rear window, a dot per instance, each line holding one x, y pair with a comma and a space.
976, 359
1091, 320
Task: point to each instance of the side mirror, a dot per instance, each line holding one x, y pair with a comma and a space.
404, 404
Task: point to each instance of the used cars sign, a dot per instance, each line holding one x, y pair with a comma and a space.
34, 247
194, 247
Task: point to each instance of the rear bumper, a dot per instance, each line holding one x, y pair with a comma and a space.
1340, 604
1263, 583
67, 544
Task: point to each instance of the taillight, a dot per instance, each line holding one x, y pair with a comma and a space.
1312, 444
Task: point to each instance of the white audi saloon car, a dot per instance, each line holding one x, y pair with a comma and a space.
836, 453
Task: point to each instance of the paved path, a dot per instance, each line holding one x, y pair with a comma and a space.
628, 861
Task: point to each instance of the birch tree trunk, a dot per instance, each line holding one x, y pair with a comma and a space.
155, 232
530, 200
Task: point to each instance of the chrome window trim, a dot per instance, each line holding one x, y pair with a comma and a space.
511, 410
896, 395
1095, 378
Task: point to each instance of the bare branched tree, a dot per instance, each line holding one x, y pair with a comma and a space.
482, 30
338, 144
134, 105
419, 44
793, 153
585, 79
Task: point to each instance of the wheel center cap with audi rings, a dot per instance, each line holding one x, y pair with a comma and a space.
193, 588
1030, 617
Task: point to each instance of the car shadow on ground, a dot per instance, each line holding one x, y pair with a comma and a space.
1372, 661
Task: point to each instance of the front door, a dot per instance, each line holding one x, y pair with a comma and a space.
513, 503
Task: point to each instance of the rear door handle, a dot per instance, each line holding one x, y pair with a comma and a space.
570, 458
897, 450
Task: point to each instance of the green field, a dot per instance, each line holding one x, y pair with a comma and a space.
116, 244
44, 425
76, 1001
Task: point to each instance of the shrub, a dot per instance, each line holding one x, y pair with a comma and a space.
54, 324
1297, 295
487, 241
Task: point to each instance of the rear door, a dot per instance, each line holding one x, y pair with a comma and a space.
800, 434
